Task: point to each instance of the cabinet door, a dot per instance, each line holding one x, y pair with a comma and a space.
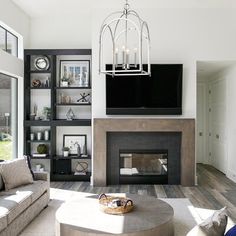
218, 124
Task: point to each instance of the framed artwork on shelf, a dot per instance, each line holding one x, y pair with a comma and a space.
77, 143
74, 73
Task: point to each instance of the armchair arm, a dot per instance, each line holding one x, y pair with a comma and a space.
41, 176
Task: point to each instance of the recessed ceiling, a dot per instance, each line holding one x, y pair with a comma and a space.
36, 8
206, 69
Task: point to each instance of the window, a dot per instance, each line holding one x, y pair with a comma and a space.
2, 39
8, 117
8, 42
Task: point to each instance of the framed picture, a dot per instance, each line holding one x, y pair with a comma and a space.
74, 73
73, 141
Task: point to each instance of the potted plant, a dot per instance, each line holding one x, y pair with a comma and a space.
64, 82
65, 151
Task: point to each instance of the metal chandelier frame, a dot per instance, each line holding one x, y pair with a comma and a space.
111, 26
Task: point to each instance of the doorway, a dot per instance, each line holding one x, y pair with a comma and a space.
211, 123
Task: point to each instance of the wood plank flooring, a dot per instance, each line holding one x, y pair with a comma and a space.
213, 191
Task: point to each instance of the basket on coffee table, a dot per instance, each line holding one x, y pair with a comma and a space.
115, 205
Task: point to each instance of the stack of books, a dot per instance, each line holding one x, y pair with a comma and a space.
79, 173
39, 155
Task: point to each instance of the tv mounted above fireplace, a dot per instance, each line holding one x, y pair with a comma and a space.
158, 94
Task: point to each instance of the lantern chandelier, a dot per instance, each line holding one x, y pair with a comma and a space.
129, 40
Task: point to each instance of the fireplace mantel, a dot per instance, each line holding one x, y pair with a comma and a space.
185, 126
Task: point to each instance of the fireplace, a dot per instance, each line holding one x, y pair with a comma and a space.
143, 166
184, 127
143, 157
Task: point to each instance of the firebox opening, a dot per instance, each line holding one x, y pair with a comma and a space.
143, 166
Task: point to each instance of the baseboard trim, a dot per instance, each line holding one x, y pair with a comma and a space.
231, 175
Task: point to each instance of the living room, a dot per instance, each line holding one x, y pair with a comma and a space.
89, 135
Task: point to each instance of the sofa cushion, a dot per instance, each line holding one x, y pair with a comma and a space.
37, 189
15, 173
12, 203
3, 218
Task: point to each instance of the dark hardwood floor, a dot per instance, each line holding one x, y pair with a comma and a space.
213, 191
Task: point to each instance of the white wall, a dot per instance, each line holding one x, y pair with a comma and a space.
14, 18
68, 29
230, 76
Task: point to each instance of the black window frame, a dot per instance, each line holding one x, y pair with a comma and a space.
17, 41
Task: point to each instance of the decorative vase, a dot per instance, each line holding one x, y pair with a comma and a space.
65, 153
64, 84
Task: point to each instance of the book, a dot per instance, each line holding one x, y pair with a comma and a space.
39, 155
80, 173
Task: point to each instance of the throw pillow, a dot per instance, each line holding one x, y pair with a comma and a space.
231, 232
214, 225
15, 173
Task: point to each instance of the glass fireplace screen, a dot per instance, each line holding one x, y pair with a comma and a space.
143, 163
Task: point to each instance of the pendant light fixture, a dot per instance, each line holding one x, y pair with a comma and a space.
124, 43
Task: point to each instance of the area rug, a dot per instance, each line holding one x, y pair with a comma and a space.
185, 216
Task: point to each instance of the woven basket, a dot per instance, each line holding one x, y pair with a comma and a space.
107, 204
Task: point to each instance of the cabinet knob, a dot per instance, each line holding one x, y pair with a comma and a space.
200, 133
218, 136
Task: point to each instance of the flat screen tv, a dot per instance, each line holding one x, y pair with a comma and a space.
158, 94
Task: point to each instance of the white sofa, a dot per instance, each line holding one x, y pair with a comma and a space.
19, 206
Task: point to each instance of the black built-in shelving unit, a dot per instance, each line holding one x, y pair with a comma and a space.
53, 123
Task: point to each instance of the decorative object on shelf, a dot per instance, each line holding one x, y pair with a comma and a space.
32, 136
47, 113
46, 135
115, 205
73, 140
67, 99
32, 116
64, 82
61, 98
46, 84
65, 151
37, 167
70, 115
85, 98
76, 72
84, 150
39, 136
36, 83
130, 43
42, 149
41, 63
78, 150
81, 168
39, 155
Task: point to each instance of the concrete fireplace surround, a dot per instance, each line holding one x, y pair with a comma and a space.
185, 126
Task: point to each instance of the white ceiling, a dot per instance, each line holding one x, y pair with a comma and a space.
207, 69
36, 8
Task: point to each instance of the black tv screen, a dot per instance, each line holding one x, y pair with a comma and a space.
158, 94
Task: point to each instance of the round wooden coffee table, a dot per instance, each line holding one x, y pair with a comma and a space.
82, 217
